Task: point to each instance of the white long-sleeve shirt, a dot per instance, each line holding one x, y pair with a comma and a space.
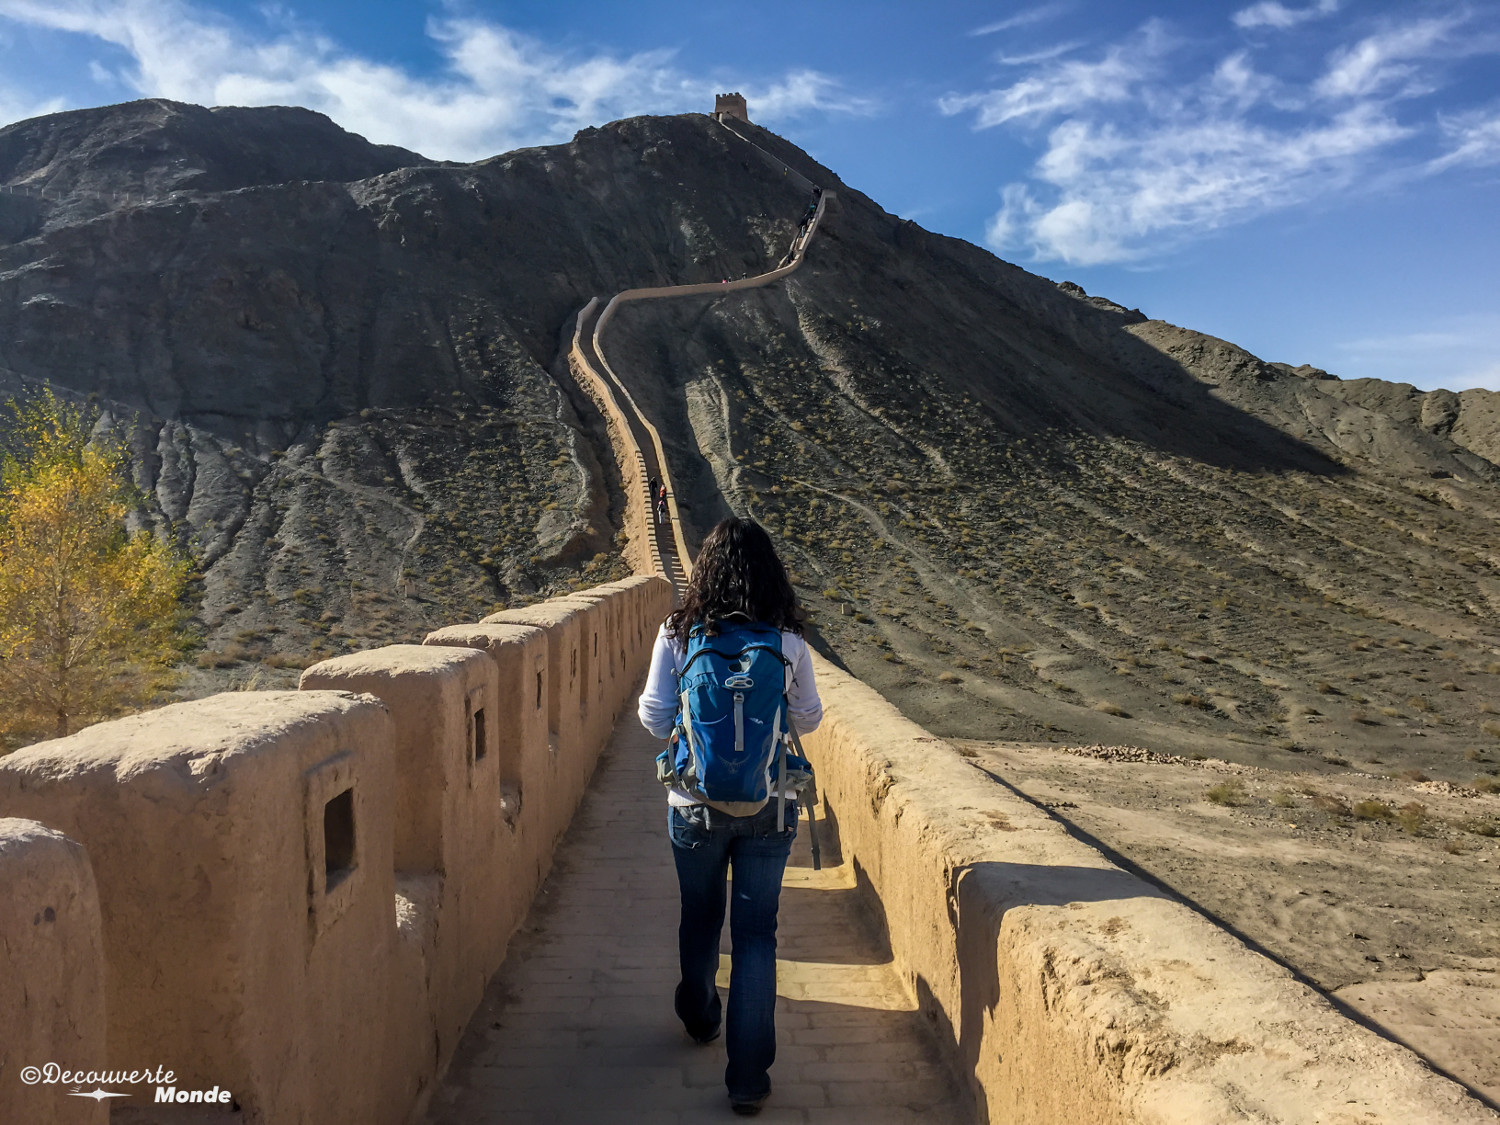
659, 699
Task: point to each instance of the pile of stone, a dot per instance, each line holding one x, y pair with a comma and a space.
1138, 754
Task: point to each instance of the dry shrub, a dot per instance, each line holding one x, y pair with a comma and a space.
1336, 806
1413, 817
1229, 792
1414, 775
1372, 810
288, 660
1106, 707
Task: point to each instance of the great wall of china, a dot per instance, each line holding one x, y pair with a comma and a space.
298, 898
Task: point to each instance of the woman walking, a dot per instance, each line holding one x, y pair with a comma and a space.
731, 799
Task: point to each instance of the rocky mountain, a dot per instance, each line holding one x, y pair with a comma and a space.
1018, 510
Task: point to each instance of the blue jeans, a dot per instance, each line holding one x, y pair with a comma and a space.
705, 843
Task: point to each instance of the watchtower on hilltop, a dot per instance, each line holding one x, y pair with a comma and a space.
732, 105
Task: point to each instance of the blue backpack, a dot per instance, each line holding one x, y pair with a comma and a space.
729, 747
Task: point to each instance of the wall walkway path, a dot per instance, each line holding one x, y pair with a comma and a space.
636, 440
578, 1025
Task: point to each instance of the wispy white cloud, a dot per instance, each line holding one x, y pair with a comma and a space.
497, 88
1068, 86
1041, 54
806, 91
1379, 61
1022, 18
1235, 82
1272, 13
17, 106
1138, 158
1120, 196
1473, 138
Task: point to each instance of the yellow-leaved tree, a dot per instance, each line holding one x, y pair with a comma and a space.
91, 614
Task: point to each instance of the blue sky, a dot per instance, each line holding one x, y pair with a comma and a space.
1316, 180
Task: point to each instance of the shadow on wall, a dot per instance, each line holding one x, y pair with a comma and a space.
981, 895
1167, 891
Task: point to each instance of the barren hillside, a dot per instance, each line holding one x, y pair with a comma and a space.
1020, 511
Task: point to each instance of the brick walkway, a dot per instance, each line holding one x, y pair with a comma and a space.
578, 1025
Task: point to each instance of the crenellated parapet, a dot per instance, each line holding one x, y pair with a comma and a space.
301, 895
731, 105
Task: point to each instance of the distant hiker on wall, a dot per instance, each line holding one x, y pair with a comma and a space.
734, 650
654, 487
812, 208
661, 505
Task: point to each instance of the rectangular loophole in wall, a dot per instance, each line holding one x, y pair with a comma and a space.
538, 691
481, 745
338, 838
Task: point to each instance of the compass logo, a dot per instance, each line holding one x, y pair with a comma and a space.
97, 1094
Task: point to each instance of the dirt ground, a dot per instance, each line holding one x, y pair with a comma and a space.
1382, 891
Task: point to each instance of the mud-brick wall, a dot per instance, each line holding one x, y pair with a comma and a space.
302, 894
51, 973
1070, 990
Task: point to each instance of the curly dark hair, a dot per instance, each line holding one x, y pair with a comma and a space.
737, 571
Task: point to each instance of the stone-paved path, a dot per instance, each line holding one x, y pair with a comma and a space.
578, 1024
